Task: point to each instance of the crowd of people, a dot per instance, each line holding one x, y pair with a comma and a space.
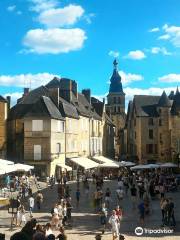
141, 188
34, 231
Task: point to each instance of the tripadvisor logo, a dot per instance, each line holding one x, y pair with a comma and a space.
139, 231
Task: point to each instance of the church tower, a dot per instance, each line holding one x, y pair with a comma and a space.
115, 108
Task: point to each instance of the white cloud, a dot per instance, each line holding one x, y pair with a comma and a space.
127, 78
88, 17
21, 80
164, 37
58, 17
11, 8
42, 5
172, 33
54, 41
156, 29
136, 55
172, 77
162, 50
114, 54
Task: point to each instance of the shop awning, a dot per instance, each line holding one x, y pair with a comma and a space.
145, 166
7, 169
109, 165
5, 162
168, 165
68, 168
107, 162
85, 162
23, 167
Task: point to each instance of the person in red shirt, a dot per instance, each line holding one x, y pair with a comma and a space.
119, 212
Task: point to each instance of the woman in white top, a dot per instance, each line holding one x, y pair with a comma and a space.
60, 212
114, 222
55, 216
64, 214
48, 230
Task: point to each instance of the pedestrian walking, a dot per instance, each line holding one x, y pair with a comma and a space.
103, 217
114, 222
133, 196
31, 205
78, 194
141, 212
39, 200
119, 195
171, 217
107, 197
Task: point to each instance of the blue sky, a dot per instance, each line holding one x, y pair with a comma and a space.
79, 40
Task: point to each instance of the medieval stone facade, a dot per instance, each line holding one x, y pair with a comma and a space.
54, 123
153, 128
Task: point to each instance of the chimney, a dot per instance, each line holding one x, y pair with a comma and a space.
66, 89
75, 88
8, 102
87, 94
26, 91
54, 95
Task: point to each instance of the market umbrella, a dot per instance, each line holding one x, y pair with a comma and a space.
168, 165
127, 164
23, 167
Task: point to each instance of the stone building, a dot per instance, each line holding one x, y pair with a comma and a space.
4, 105
53, 124
153, 128
115, 108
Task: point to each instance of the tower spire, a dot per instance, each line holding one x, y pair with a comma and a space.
115, 63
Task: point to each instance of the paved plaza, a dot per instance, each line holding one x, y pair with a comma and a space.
86, 223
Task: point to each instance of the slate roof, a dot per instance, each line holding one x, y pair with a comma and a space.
44, 107
116, 84
171, 95
18, 111
146, 105
164, 101
67, 109
34, 95
2, 99
176, 103
54, 83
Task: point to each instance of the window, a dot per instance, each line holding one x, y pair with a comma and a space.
159, 111
58, 148
149, 148
155, 149
119, 100
60, 126
114, 99
115, 109
37, 152
150, 121
151, 134
160, 122
119, 109
37, 125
